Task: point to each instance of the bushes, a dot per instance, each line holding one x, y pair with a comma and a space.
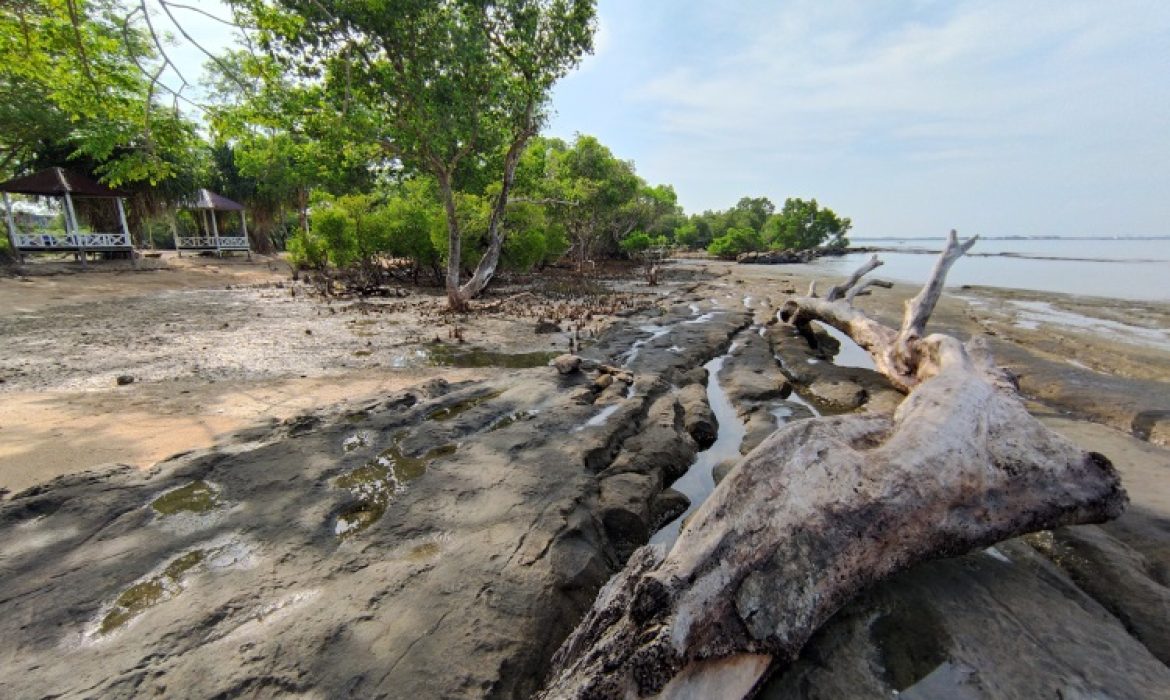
734, 242
363, 232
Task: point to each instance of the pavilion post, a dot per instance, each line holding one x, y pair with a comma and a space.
244, 228
126, 230
12, 229
175, 230
215, 232
71, 221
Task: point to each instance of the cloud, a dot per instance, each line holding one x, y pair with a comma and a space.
846, 91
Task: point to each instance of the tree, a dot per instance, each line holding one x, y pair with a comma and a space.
735, 242
802, 225
592, 194
286, 137
459, 81
750, 212
74, 86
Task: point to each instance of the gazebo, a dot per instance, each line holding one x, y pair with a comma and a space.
58, 182
205, 204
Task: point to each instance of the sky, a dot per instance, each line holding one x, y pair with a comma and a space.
911, 117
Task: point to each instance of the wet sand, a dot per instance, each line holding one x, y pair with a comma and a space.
215, 346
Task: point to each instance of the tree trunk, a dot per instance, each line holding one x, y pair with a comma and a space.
455, 300
491, 257
303, 208
824, 508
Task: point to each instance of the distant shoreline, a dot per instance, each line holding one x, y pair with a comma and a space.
1021, 256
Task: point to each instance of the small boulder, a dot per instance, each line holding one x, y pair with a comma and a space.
698, 418
567, 364
603, 381
124, 379
544, 327
667, 505
719, 473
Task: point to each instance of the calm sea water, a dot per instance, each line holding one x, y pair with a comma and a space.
1120, 269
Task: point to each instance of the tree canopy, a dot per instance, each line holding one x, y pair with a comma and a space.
460, 82
76, 88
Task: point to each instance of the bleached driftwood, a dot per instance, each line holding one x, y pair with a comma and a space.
825, 507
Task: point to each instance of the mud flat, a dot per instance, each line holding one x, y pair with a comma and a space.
440, 532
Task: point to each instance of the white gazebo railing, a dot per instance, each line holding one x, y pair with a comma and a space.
59, 183
206, 203
44, 240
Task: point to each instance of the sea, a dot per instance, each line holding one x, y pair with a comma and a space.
1118, 268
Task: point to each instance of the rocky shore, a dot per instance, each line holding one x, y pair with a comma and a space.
439, 539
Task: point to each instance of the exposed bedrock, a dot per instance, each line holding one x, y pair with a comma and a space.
809, 363
1004, 623
439, 543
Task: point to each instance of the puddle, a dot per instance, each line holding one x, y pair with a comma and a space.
414, 359
781, 414
655, 332
994, 553
362, 353
146, 594
448, 356
600, 419
697, 483
511, 418
1033, 314
375, 483
356, 441
458, 409
850, 353
196, 497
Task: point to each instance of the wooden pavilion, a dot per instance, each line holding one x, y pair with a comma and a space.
205, 205
68, 186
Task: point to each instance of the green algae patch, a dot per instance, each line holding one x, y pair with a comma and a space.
509, 419
196, 497
375, 483
447, 356
458, 409
423, 552
144, 595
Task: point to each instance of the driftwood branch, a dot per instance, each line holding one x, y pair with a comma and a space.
824, 508
836, 291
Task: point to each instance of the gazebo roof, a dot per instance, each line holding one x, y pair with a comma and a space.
206, 199
57, 182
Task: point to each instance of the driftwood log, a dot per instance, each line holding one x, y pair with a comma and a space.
826, 507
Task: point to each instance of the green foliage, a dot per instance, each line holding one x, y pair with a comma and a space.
635, 243
802, 225
450, 86
734, 242
409, 220
72, 92
344, 231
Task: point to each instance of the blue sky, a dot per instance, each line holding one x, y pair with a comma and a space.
911, 117
998, 117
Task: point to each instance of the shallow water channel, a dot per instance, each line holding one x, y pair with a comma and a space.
697, 484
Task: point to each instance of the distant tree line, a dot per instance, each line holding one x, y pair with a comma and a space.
355, 135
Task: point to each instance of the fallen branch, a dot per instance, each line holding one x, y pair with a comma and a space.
824, 508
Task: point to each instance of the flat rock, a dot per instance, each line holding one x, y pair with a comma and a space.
1003, 624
